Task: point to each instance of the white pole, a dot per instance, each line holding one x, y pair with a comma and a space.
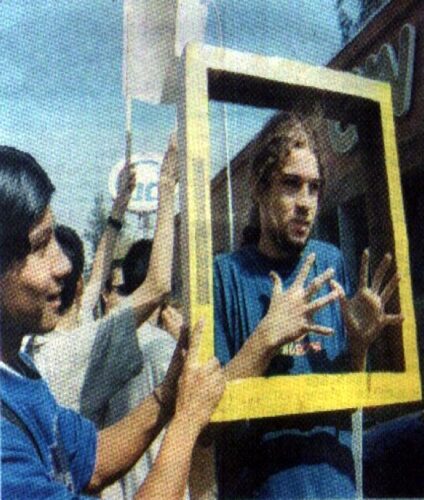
128, 99
128, 125
227, 150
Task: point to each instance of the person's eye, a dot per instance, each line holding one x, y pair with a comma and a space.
40, 246
315, 187
291, 183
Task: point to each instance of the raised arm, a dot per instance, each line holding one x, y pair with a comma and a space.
200, 388
289, 317
158, 280
104, 253
365, 313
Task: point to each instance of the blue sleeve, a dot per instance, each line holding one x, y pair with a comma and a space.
224, 348
79, 439
23, 474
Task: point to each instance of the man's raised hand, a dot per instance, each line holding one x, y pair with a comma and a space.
364, 314
290, 314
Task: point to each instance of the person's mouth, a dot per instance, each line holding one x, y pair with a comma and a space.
54, 300
301, 227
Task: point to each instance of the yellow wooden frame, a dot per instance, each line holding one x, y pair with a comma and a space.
264, 397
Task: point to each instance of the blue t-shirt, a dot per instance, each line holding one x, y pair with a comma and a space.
62, 462
301, 457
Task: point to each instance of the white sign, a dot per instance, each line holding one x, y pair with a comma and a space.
145, 195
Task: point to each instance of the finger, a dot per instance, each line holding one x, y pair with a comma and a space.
172, 145
390, 288
212, 365
363, 272
128, 165
336, 286
303, 273
343, 300
322, 330
184, 336
318, 282
381, 272
132, 179
323, 301
173, 140
132, 169
393, 319
276, 282
194, 340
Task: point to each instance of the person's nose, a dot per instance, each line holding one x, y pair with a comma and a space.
305, 199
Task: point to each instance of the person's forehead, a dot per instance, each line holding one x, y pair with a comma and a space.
301, 162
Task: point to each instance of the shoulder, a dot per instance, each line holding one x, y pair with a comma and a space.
24, 470
325, 252
121, 316
235, 260
14, 440
153, 338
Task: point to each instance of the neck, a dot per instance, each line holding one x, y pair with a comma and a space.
271, 249
11, 339
70, 319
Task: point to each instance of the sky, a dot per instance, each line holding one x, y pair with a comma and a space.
61, 82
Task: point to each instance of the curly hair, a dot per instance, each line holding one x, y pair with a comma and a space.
282, 134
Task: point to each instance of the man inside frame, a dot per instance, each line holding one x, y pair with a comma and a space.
283, 305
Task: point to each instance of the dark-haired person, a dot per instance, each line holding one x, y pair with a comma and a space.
80, 300
113, 291
48, 451
64, 356
280, 308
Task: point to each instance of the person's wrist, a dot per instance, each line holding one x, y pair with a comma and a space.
358, 355
186, 422
266, 342
165, 399
118, 210
114, 223
167, 183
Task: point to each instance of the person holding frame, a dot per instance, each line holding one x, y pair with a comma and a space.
284, 306
86, 362
50, 451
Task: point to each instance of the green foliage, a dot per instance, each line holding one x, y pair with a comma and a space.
366, 9
97, 222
